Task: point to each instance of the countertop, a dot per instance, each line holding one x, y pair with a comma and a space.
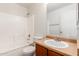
78, 47
78, 44
71, 50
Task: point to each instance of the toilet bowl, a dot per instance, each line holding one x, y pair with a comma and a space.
36, 37
28, 51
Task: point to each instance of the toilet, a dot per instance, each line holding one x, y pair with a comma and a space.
36, 37
28, 51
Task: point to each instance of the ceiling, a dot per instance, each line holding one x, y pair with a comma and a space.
28, 5
50, 6
54, 6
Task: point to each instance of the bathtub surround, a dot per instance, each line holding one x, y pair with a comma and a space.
13, 27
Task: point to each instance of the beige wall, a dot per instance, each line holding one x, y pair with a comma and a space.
40, 18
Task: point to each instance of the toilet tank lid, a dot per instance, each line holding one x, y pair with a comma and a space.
29, 49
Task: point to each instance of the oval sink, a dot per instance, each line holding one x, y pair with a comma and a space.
57, 44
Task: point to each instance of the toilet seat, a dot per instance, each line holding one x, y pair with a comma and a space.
29, 49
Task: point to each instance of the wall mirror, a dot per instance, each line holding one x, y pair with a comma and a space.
62, 19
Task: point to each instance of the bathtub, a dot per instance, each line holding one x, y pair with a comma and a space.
13, 52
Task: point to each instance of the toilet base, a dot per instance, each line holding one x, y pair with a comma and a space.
29, 51
28, 54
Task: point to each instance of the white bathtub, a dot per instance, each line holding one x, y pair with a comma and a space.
13, 52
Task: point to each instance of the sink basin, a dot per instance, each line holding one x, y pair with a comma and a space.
57, 44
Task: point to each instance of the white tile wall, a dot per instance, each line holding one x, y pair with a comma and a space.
13, 27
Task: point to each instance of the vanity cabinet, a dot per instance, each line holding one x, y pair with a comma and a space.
78, 52
52, 53
42, 51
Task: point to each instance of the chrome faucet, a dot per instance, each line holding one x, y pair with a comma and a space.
57, 38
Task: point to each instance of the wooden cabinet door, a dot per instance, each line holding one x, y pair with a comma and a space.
52, 53
40, 51
78, 52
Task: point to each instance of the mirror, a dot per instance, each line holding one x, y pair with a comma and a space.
62, 19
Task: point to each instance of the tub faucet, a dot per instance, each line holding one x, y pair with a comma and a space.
29, 37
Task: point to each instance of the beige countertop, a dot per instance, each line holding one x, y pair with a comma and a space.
78, 44
78, 47
71, 50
